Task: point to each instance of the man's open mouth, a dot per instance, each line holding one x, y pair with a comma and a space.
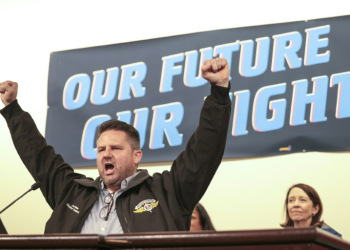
109, 168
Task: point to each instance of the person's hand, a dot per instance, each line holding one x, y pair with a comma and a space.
8, 92
216, 71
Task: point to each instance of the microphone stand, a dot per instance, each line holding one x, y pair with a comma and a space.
34, 187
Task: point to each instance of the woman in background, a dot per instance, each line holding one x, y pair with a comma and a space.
303, 208
200, 219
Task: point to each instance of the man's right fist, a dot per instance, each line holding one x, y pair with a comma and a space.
8, 91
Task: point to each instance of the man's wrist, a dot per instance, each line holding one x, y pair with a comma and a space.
220, 94
11, 110
224, 84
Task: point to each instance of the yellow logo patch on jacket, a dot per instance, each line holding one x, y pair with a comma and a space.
146, 206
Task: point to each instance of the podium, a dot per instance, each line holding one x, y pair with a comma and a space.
293, 238
2, 228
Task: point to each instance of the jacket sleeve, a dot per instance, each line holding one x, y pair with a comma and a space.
40, 159
195, 167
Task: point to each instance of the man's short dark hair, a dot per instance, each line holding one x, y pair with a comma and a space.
132, 134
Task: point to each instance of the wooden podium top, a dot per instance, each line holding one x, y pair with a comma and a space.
292, 238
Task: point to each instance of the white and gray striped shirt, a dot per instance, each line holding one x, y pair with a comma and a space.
94, 224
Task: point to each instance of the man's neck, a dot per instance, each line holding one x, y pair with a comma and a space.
113, 189
117, 186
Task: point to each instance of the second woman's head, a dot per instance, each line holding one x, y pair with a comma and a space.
303, 207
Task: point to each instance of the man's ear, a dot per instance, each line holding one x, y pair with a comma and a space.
137, 156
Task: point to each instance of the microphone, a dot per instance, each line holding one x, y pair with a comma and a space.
35, 186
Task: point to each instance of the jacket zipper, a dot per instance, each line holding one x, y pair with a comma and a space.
75, 229
126, 222
84, 215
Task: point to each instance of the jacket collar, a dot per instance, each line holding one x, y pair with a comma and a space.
141, 177
88, 182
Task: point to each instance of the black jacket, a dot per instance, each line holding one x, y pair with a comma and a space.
172, 194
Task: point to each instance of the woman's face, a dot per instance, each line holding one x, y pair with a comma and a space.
301, 208
195, 221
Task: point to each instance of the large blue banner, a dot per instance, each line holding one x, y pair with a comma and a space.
290, 90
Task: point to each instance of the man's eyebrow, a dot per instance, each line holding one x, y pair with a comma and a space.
111, 145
